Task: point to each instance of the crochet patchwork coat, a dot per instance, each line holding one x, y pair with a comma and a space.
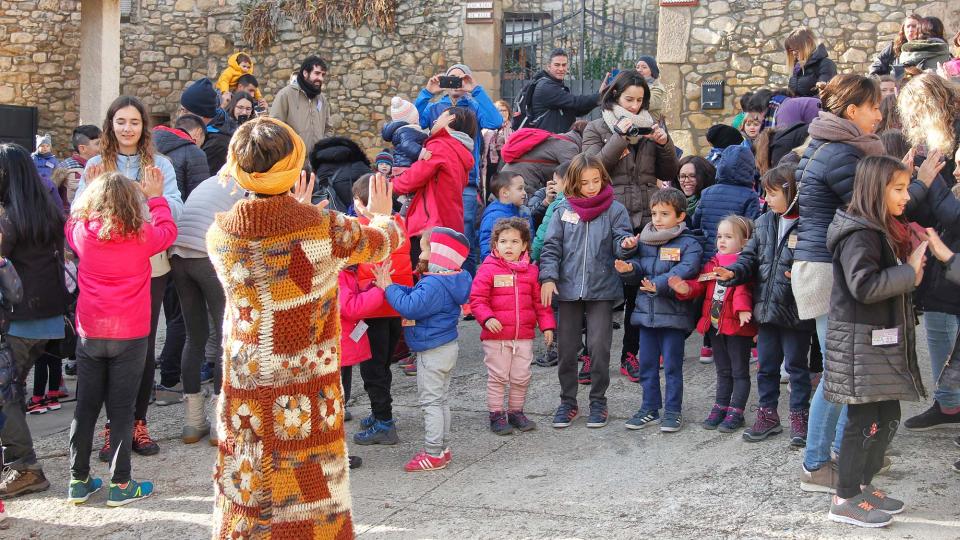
281, 469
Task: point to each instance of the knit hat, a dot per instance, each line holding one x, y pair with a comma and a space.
448, 249
43, 139
383, 157
721, 136
462, 67
651, 63
403, 110
200, 98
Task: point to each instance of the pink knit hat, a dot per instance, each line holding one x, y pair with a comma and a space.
401, 109
448, 248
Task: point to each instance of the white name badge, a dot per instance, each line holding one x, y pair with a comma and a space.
358, 332
570, 217
886, 336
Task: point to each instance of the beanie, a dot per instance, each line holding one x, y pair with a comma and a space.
721, 136
651, 63
403, 110
448, 249
462, 67
200, 98
43, 139
383, 157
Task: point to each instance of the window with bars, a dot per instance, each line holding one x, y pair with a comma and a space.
126, 10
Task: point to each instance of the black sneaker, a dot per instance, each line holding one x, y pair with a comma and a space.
932, 418
598, 415
564, 415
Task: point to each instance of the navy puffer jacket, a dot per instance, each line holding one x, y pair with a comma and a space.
662, 309
732, 193
407, 140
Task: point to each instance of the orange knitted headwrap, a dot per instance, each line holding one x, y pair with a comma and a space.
280, 178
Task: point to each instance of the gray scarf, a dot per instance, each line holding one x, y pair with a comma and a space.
652, 237
641, 119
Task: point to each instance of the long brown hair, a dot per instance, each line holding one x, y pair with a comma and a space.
801, 41
110, 146
891, 118
902, 36
116, 201
782, 178
848, 89
868, 201
579, 164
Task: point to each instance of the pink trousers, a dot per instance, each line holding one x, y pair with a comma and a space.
508, 363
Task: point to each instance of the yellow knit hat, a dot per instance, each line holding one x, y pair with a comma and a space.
281, 177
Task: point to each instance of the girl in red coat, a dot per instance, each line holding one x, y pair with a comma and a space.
505, 300
727, 314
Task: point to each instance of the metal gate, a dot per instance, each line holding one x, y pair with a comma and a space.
597, 37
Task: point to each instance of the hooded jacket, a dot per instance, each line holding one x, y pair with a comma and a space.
339, 162
400, 266
493, 213
537, 166
731, 193
356, 303
431, 308
217, 141
188, 160
925, 54
228, 77
407, 140
871, 294
510, 293
817, 68
554, 108
308, 117
634, 174
437, 184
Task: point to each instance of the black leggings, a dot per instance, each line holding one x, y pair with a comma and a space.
870, 428
47, 368
158, 287
202, 302
384, 333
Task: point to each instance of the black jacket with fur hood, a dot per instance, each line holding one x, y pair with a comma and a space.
338, 161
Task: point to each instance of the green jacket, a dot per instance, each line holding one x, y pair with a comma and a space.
542, 229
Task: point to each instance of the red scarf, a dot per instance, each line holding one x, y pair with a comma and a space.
904, 236
588, 208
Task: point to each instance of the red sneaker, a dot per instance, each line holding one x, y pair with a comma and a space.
630, 367
447, 454
425, 462
59, 394
36, 405
706, 355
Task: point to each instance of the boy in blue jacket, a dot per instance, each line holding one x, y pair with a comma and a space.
731, 193
431, 312
665, 248
510, 196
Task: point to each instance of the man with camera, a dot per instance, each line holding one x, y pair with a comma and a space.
553, 107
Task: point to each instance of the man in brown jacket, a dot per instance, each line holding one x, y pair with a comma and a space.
302, 105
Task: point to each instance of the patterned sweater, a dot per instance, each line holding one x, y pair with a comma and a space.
281, 469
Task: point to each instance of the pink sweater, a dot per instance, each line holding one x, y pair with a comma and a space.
114, 276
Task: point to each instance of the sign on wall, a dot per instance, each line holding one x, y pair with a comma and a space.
678, 3
480, 12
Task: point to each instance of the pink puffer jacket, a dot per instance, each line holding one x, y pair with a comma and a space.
510, 293
356, 304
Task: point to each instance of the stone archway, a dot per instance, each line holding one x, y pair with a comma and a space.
99, 58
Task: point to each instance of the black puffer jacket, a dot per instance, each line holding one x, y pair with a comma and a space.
554, 108
936, 292
340, 161
189, 162
219, 132
871, 293
41, 271
764, 261
785, 140
817, 68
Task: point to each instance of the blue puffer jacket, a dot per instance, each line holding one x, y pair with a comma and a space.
732, 193
45, 164
494, 212
433, 307
407, 140
663, 310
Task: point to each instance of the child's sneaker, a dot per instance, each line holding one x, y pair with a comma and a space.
672, 422
4, 522
584, 376
377, 432
52, 403
36, 405
499, 423
447, 454
717, 414
142, 443
410, 370
642, 419
799, 420
767, 424
706, 355
564, 415
58, 394
732, 422
858, 511
520, 421
132, 492
754, 355
598, 415
81, 490
881, 501
425, 462
630, 367
549, 357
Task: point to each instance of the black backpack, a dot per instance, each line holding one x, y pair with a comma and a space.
328, 193
522, 106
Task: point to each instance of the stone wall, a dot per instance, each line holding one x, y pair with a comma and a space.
39, 63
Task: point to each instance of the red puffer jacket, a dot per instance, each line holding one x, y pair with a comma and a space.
510, 293
399, 264
356, 304
436, 184
738, 298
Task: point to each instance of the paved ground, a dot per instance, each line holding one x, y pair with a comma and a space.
572, 483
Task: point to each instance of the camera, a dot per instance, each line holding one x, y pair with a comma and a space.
450, 82
635, 131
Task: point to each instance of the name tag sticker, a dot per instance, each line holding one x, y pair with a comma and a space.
570, 217
670, 254
407, 322
709, 276
358, 332
886, 336
792, 241
503, 280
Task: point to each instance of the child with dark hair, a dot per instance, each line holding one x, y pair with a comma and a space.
238, 65
744, 103
510, 195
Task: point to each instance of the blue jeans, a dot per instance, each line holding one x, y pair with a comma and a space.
826, 423
470, 207
778, 345
941, 335
667, 342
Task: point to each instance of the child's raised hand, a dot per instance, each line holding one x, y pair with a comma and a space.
622, 266
937, 247
547, 290
493, 325
547, 337
629, 242
744, 316
381, 195
381, 275
303, 190
917, 260
152, 182
678, 285
931, 167
647, 286
723, 274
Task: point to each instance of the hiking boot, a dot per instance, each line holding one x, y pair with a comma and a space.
142, 443
133, 491
598, 415
717, 414
379, 432
520, 421
195, 424
564, 415
766, 424
499, 424
642, 419
858, 511
36, 405
673, 421
81, 490
706, 355
799, 420
354, 462
630, 367
549, 357
822, 480
168, 395
584, 376
425, 462
881, 501
105, 454
932, 418
732, 422
16, 483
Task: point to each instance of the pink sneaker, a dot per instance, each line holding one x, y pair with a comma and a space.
425, 462
447, 454
4, 522
754, 355
706, 355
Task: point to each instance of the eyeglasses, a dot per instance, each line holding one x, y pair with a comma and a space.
687, 177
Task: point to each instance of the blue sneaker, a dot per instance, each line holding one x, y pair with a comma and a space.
381, 432
671, 422
134, 491
81, 490
598, 415
206, 372
642, 419
565, 415
367, 422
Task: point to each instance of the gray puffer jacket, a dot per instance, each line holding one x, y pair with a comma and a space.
207, 200
579, 257
872, 294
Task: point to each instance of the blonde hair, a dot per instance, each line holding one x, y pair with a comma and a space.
742, 227
928, 105
116, 202
801, 41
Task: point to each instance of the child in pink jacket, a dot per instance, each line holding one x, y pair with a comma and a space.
505, 299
